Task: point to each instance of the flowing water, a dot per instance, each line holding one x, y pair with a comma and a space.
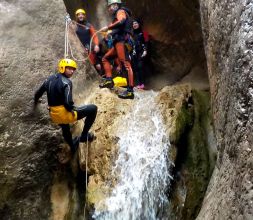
142, 166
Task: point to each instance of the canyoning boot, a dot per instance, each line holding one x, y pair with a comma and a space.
128, 94
108, 83
87, 137
75, 141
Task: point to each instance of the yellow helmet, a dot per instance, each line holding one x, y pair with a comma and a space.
80, 10
63, 63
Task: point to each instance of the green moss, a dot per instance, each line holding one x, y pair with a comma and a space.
193, 160
183, 121
197, 161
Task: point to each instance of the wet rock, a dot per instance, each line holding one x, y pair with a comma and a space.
32, 42
193, 147
103, 150
227, 27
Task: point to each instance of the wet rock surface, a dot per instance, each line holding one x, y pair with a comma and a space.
187, 126
227, 29
103, 151
187, 115
32, 181
32, 42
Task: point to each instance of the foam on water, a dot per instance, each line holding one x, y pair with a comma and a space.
142, 166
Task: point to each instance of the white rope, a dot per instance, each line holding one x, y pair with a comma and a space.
86, 176
68, 45
86, 160
67, 19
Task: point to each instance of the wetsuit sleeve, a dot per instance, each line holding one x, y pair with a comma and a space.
95, 38
40, 92
121, 18
68, 101
143, 43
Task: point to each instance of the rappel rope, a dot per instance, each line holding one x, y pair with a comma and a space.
86, 163
68, 46
86, 175
66, 50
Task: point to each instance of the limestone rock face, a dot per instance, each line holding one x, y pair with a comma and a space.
171, 100
32, 42
103, 151
228, 31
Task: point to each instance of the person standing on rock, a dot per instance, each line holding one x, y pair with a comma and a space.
61, 106
85, 31
121, 28
139, 53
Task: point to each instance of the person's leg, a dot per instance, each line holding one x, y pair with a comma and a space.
121, 52
118, 65
90, 112
108, 83
140, 73
68, 137
134, 63
106, 62
92, 58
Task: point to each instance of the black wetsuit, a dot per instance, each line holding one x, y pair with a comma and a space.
121, 30
137, 60
83, 33
59, 92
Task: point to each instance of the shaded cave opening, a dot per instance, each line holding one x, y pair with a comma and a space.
176, 51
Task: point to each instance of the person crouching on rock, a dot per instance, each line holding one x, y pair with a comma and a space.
61, 106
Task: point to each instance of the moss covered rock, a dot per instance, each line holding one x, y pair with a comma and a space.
194, 164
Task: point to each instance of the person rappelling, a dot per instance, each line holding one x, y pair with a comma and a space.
85, 31
121, 29
61, 106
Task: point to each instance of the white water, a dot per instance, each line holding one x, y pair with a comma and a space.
142, 166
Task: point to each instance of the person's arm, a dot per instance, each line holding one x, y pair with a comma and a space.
92, 33
121, 18
95, 38
68, 101
39, 93
143, 45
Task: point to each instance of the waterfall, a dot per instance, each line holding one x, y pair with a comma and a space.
142, 167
